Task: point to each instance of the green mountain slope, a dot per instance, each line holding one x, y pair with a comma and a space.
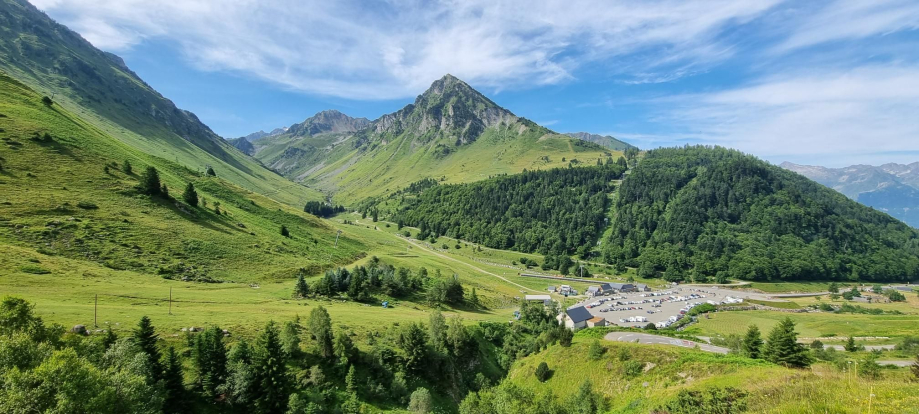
64, 192
451, 132
98, 87
603, 140
698, 212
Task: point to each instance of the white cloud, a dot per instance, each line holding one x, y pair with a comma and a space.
377, 50
852, 19
850, 114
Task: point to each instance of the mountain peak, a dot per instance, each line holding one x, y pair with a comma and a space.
328, 121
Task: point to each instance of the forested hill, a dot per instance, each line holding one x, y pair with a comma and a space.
559, 211
697, 212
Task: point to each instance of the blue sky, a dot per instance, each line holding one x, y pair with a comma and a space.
818, 82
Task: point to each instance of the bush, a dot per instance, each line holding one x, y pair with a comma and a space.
86, 205
542, 372
421, 402
34, 269
632, 368
710, 401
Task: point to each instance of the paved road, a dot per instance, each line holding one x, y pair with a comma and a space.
897, 363
867, 347
662, 340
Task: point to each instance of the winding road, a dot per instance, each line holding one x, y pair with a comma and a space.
644, 338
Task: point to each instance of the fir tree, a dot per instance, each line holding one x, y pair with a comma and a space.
109, 339
270, 367
145, 338
321, 331
351, 380
211, 360
850, 345
290, 338
210, 171
284, 231
783, 347
542, 372
344, 348
753, 343
173, 387
126, 167
596, 350
150, 181
301, 289
164, 191
190, 195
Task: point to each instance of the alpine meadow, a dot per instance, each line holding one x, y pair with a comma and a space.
733, 234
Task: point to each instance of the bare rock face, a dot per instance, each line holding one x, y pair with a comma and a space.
330, 121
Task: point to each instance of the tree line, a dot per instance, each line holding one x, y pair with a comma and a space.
362, 283
702, 213
558, 211
294, 367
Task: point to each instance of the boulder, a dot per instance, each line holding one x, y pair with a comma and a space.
79, 329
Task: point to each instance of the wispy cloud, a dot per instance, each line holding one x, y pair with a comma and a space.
381, 50
866, 110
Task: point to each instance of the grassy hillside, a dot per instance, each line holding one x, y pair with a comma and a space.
451, 132
63, 191
665, 371
699, 212
100, 89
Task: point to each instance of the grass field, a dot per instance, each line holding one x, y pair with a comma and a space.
811, 325
772, 389
790, 287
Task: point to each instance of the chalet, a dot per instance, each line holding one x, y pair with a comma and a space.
593, 291
545, 299
575, 318
606, 289
623, 287
641, 287
595, 322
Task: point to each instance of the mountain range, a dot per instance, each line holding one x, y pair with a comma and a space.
892, 188
604, 140
451, 132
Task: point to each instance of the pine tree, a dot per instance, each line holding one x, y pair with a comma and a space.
173, 387
542, 372
290, 338
321, 330
344, 348
210, 171
145, 338
437, 330
596, 350
850, 345
164, 190
753, 343
783, 347
270, 367
150, 181
109, 339
351, 380
301, 290
126, 167
375, 215
190, 195
284, 231
211, 360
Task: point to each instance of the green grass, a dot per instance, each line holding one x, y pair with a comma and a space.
809, 325
354, 175
789, 287
668, 370
780, 305
44, 183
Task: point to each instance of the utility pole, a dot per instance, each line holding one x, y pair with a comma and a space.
96, 312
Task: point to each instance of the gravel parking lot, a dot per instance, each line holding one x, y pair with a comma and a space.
658, 305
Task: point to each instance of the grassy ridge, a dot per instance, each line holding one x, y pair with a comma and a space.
67, 195
667, 370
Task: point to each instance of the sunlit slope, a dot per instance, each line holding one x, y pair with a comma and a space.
67, 194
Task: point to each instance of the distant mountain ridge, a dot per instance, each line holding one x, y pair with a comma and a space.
604, 140
451, 132
892, 188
